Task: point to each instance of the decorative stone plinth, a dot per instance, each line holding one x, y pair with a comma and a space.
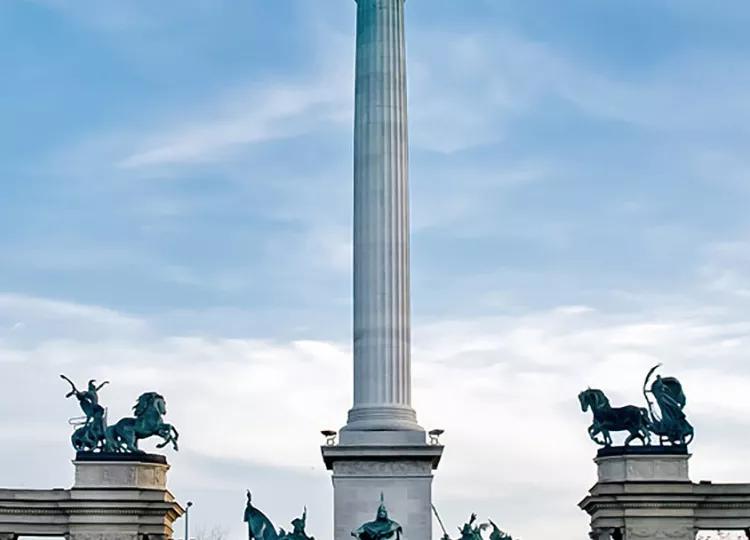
643, 464
108, 471
646, 494
115, 497
403, 474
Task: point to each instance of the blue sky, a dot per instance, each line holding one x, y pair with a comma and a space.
175, 202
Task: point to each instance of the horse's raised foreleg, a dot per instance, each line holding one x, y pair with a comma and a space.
169, 435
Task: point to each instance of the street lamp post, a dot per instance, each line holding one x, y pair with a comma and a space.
187, 520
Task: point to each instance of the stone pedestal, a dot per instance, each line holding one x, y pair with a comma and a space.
642, 464
121, 471
646, 494
403, 474
129, 494
114, 497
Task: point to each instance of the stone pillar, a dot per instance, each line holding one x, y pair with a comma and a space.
382, 448
644, 492
382, 330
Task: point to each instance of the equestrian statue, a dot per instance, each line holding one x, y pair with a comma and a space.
669, 423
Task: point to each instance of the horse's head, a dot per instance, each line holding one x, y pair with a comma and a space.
583, 399
593, 398
150, 401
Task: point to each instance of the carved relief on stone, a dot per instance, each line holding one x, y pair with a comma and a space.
118, 475
661, 533
103, 536
382, 468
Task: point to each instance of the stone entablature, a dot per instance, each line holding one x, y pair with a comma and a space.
651, 497
112, 499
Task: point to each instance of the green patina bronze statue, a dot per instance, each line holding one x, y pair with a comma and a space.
473, 531
670, 426
88, 436
498, 534
259, 527
148, 410
93, 435
380, 529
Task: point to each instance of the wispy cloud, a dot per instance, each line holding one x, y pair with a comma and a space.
247, 118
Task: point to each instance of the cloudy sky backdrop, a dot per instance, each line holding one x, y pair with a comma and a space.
175, 214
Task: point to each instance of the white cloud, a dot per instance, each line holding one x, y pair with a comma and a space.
511, 385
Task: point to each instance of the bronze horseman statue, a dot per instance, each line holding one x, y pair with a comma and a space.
670, 424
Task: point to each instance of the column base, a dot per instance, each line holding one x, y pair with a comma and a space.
382, 418
402, 473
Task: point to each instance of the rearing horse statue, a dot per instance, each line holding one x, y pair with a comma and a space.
630, 418
148, 411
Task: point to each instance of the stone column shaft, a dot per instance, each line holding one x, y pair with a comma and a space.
382, 330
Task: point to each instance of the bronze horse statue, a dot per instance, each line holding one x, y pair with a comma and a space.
634, 420
125, 434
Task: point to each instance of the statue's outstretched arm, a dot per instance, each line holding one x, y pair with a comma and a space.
73, 390
102, 385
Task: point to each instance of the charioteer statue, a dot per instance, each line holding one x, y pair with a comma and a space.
87, 436
94, 435
669, 423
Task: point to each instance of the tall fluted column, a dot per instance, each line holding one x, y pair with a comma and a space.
382, 451
382, 331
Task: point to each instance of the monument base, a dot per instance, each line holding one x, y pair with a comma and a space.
115, 497
645, 493
402, 473
107, 471
643, 464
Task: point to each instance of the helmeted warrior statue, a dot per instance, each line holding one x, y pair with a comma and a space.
380, 529
298, 528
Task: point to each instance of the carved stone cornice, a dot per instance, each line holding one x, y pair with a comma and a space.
383, 468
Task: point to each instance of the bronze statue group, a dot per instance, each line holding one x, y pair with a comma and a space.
259, 527
664, 418
94, 435
669, 424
